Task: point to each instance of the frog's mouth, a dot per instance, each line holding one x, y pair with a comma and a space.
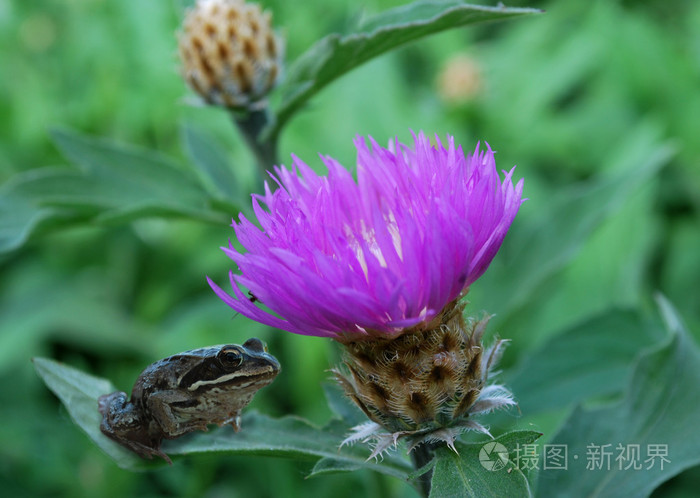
235, 378
257, 368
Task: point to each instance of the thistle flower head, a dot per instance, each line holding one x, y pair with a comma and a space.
230, 55
371, 258
380, 265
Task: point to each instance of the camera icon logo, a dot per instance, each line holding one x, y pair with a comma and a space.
493, 456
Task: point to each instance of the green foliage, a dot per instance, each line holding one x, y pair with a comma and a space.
119, 184
457, 474
79, 392
534, 251
660, 408
337, 54
590, 360
212, 165
103, 262
115, 184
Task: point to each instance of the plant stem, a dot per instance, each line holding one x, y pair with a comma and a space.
251, 125
421, 456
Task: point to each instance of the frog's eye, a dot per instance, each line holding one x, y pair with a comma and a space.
255, 344
231, 358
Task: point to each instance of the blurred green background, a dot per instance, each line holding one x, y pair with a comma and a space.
566, 96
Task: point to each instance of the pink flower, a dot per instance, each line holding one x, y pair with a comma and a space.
340, 258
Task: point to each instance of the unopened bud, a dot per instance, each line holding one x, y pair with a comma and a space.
230, 55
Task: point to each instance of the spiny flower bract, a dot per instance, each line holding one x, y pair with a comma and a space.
346, 259
424, 386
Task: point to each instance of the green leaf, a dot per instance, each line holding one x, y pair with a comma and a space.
114, 180
115, 184
124, 180
288, 437
661, 407
341, 405
330, 465
215, 169
479, 469
18, 218
590, 359
22, 212
78, 392
337, 54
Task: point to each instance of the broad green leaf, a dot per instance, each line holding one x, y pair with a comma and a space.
482, 469
680, 273
534, 252
590, 359
214, 167
337, 54
115, 184
78, 392
127, 180
331, 465
659, 414
288, 437
18, 218
20, 213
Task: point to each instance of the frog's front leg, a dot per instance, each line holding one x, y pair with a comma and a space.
176, 412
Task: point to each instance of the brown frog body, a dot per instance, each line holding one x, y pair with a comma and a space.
186, 392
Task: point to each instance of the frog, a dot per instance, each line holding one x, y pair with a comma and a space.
187, 392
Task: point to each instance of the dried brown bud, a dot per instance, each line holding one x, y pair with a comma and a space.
230, 55
424, 384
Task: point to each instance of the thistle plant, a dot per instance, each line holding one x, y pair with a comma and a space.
382, 265
232, 58
380, 260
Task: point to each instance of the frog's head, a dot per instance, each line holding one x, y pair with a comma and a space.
232, 367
